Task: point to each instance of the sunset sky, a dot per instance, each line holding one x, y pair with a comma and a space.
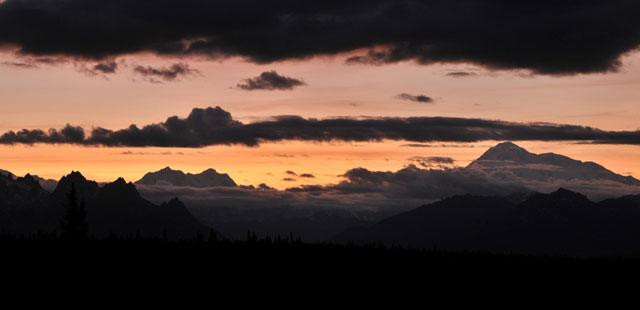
46, 85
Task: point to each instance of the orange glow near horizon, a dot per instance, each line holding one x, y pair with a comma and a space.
51, 96
269, 162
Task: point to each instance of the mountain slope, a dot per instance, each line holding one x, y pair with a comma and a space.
22, 203
118, 207
170, 177
559, 223
113, 208
47, 184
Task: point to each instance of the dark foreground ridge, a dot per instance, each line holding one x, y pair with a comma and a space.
277, 257
559, 223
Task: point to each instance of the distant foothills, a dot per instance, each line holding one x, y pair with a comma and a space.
507, 200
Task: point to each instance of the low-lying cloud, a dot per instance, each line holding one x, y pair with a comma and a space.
215, 126
433, 161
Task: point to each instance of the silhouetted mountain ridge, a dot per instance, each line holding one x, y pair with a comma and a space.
562, 222
115, 207
170, 177
47, 184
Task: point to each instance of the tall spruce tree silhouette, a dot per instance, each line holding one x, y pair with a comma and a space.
74, 222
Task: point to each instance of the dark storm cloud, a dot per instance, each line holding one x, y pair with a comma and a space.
415, 98
215, 126
270, 80
165, 73
544, 36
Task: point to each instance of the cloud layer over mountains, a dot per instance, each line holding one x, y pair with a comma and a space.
365, 196
215, 126
504, 170
544, 36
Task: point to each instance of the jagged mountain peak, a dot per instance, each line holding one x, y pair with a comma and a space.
84, 187
121, 188
74, 175
120, 180
506, 151
29, 179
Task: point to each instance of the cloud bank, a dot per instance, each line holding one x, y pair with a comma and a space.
215, 126
542, 36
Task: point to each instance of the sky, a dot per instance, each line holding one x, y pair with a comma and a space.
308, 62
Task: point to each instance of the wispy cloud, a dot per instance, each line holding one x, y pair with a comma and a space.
171, 73
415, 98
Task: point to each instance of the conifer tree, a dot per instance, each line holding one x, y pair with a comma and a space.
74, 223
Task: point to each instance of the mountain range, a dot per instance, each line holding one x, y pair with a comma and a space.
47, 184
504, 168
464, 208
559, 223
114, 208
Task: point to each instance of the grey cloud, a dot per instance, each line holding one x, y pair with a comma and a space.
17, 64
433, 161
270, 80
170, 73
108, 67
415, 98
461, 74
